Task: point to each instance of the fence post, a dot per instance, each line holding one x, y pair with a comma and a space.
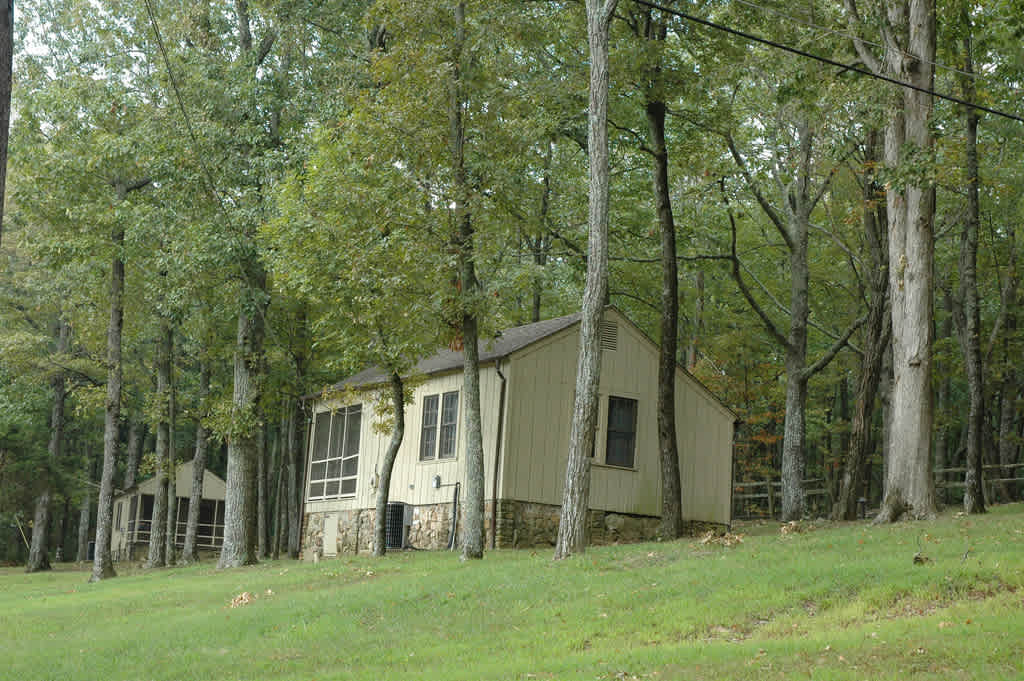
771, 498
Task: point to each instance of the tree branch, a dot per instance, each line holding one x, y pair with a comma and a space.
737, 276
827, 358
755, 188
855, 23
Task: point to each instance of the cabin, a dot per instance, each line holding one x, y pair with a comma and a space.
527, 383
133, 514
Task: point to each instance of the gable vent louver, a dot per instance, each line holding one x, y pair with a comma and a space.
609, 336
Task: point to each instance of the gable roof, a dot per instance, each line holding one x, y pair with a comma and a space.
504, 344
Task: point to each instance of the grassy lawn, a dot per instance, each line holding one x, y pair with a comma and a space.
834, 602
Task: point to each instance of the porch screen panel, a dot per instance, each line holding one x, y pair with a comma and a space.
318, 465
350, 452
336, 461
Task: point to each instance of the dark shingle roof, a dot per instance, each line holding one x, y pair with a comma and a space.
507, 342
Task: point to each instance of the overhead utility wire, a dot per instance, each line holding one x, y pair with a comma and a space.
831, 31
181, 103
826, 60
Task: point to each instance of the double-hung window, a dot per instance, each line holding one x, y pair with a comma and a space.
620, 442
335, 459
438, 433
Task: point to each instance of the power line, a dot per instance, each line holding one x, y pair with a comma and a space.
181, 104
831, 31
826, 60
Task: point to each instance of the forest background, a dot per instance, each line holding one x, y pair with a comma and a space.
216, 211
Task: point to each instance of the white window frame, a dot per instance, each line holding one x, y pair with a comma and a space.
338, 456
438, 426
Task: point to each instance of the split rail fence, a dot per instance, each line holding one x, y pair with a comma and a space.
763, 498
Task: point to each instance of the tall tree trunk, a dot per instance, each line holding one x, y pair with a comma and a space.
84, 516
468, 288
974, 495
280, 504
261, 493
239, 506
539, 243
692, 352
6, 71
158, 526
38, 555
103, 566
1008, 447
296, 472
671, 488
943, 430
171, 532
572, 537
876, 338
195, 499
388, 464
909, 487
133, 450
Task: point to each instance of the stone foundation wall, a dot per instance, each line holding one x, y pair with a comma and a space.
519, 524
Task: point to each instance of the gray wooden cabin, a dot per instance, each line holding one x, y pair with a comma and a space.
527, 381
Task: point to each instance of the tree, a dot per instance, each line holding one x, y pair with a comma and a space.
6, 69
575, 496
38, 555
909, 56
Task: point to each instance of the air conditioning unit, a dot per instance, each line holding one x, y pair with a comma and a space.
398, 520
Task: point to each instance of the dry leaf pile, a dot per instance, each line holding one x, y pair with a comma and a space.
727, 539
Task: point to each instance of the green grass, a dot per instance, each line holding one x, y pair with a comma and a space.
837, 602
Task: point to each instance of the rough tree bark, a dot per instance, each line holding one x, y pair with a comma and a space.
195, 499
468, 288
671, 488
909, 56
84, 516
388, 464
970, 328
103, 565
296, 461
261, 492
39, 554
572, 536
157, 556
280, 505
171, 531
133, 449
876, 339
6, 70
239, 546
693, 350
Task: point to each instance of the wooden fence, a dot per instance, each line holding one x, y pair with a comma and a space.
762, 498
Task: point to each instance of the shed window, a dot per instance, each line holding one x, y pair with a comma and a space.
621, 439
335, 461
440, 426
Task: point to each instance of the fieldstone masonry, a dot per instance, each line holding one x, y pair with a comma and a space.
519, 524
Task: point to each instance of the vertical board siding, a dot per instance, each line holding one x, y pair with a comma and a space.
539, 418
